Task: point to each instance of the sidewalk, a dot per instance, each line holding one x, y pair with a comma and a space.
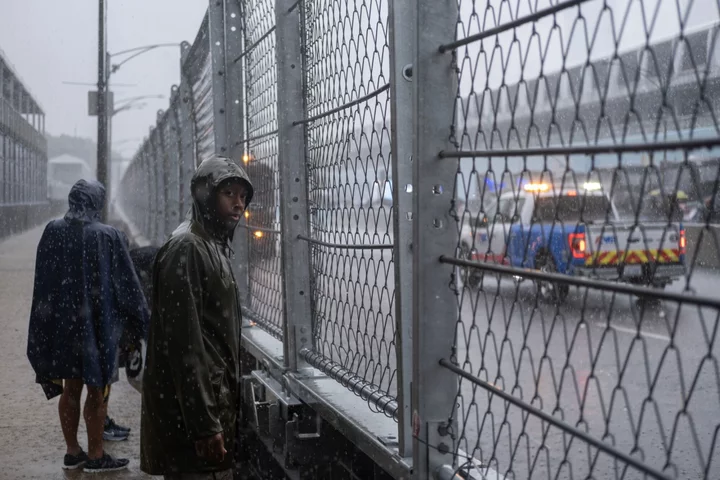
31, 443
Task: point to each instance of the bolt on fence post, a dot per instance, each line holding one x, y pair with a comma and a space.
402, 53
434, 234
294, 219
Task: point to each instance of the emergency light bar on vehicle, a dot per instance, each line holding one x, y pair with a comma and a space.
536, 187
592, 186
544, 187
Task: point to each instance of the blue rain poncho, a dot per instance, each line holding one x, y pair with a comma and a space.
86, 295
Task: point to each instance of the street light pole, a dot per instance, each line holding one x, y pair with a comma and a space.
102, 113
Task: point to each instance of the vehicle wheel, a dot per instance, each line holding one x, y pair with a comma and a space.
468, 276
550, 292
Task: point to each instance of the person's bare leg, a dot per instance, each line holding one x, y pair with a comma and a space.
69, 411
94, 413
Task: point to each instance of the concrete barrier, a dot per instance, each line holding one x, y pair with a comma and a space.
17, 218
705, 242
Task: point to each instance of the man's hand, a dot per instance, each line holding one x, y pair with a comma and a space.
211, 448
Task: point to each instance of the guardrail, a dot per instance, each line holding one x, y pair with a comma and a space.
20, 217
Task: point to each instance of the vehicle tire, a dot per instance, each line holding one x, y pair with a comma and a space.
644, 300
468, 276
550, 292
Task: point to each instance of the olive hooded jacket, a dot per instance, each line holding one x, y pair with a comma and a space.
190, 384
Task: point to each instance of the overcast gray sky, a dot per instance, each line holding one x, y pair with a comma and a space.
51, 41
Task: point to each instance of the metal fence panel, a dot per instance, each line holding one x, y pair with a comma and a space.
199, 70
349, 164
585, 141
261, 161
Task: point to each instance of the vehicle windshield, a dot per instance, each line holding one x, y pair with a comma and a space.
501, 211
573, 209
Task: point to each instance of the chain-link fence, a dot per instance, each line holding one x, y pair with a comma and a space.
261, 160
350, 198
198, 71
558, 304
586, 338
155, 190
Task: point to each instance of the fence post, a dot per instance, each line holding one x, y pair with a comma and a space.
216, 28
233, 80
160, 179
402, 54
294, 215
174, 161
434, 234
165, 176
152, 187
187, 149
234, 127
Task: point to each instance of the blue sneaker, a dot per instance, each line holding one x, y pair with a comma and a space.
110, 424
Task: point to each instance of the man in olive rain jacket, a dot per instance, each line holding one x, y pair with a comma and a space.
190, 385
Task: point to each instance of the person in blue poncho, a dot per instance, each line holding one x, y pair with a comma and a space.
86, 296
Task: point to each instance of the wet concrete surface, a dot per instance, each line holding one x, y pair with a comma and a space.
31, 442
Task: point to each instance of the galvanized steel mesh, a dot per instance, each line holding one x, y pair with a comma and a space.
261, 158
171, 143
154, 185
569, 377
199, 71
348, 164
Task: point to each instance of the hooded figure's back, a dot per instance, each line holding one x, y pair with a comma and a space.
86, 293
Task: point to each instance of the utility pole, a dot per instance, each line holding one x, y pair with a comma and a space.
102, 108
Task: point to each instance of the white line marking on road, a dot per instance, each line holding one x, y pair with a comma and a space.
633, 332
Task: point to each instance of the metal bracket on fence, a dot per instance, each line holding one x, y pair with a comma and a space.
276, 389
402, 27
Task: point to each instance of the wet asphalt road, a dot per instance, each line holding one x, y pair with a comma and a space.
644, 378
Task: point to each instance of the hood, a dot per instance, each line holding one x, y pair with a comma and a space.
86, 200
209, 174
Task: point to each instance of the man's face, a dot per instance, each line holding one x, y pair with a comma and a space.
230, 198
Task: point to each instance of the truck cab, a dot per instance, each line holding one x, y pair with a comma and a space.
572, 231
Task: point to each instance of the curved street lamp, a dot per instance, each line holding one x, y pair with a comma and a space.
137, 51
129, 103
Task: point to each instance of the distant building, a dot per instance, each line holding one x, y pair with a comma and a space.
63, 172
